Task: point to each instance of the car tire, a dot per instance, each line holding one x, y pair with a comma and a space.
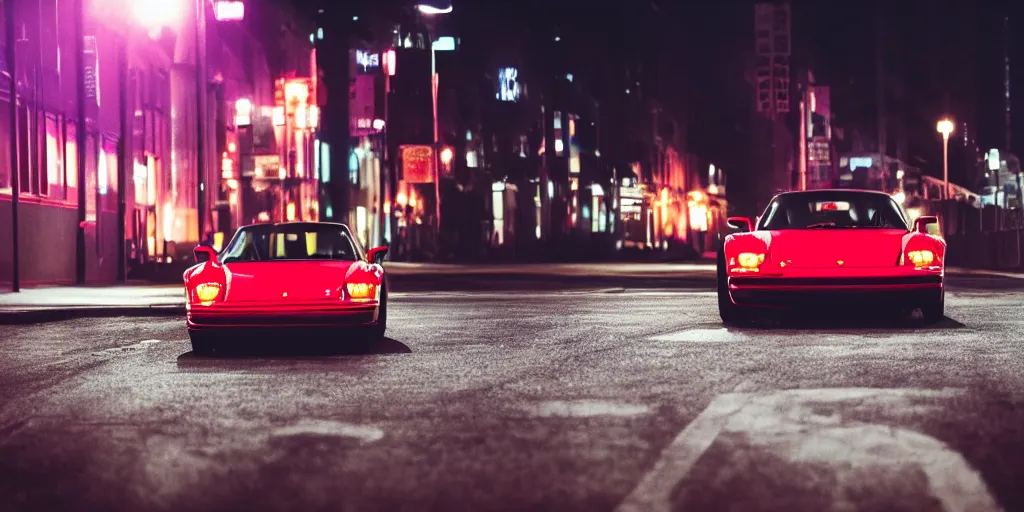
729, 312
202, 343
934, 311
377, 330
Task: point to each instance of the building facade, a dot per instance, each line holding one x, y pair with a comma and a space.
108, 137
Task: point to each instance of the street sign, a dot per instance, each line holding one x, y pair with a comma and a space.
417, 164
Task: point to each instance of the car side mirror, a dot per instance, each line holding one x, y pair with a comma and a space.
204, 253
741, 224
922, 223
376, 255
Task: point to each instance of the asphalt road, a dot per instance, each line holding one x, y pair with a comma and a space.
560, 399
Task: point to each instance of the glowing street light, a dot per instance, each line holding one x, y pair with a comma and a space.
433, 9
945, 127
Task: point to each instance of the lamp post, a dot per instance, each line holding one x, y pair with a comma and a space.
11, 55
945, 127
431, 10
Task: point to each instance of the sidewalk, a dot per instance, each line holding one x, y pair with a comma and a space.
46, 304
556, 269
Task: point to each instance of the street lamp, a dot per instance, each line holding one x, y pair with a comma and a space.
430, 10
945, 127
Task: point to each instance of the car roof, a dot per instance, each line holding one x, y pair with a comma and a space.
840, 190
295, 223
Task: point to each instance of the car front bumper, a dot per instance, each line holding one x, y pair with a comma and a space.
319, 314
893, 289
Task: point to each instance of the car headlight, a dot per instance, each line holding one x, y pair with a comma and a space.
207, 292
361, 291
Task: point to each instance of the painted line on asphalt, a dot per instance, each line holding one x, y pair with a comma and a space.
588, 409
720, 335
807, 426
327, 428
127, 348
502, 295
654, 492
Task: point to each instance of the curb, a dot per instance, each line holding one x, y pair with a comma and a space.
37, 315
969, 272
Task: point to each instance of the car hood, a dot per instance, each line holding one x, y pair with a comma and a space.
287, 280
829, 248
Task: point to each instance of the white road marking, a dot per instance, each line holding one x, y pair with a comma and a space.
362, 433
126, 348
526, 294
808, 426
589, 408
654, 492
721, 335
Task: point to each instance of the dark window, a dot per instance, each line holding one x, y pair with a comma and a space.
291, 242
833, 210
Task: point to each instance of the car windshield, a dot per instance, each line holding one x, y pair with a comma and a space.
291, 242
833, 210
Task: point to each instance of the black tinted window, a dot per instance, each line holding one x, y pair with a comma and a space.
291, 242
832, 210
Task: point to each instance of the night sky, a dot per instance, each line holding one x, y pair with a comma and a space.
939, 58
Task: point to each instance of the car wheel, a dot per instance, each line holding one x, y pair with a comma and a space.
378, 328
935, 310
729, 312
202, 343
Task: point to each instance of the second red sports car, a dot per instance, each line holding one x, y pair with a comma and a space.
292, 276
834, 249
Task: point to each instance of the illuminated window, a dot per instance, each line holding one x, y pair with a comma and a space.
54, 158
71, 159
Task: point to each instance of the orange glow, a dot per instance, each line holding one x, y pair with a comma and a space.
402, 199
446, 156
243, 112
314, 116
945, 127
361, 291
290, 212
232, 147
296, 91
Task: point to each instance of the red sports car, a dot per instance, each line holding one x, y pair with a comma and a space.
831, 249
286, 276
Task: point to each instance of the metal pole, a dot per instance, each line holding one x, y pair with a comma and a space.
434, 82
13, 140
200, 113
945, 167
125, 160
387, 225
81, 139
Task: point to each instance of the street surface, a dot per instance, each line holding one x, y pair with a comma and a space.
566, 398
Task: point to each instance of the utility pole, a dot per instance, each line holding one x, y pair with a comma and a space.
880, 76
11, 40
124, 157
802, 165
81, 140
201, 116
